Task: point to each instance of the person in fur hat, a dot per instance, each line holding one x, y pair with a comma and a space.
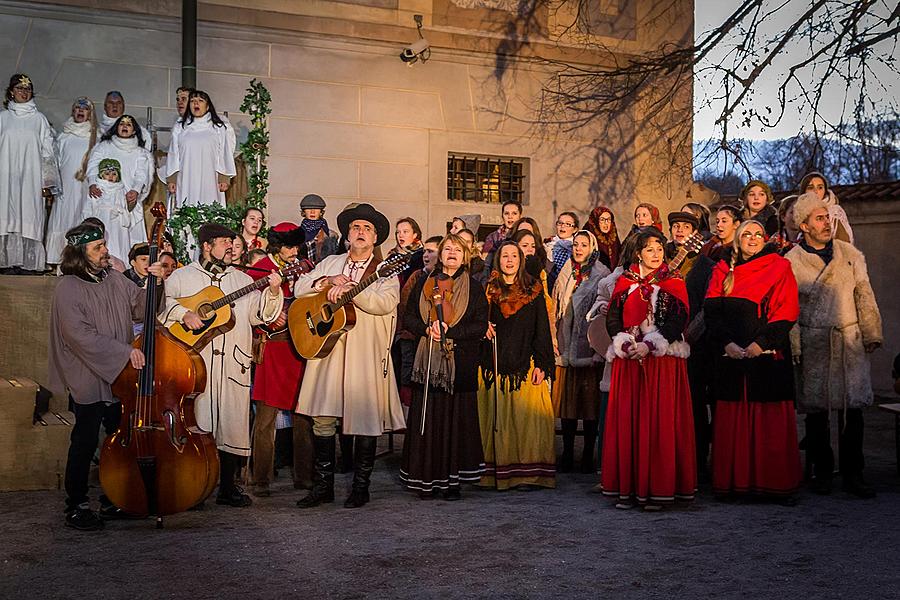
816, 183
279, 370
839, 326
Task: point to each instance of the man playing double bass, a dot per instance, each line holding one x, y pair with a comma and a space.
355, 382
91, 318
224, 407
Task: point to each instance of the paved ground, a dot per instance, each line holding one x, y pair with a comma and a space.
562, 543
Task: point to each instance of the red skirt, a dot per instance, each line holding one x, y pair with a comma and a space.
754, 448
648, 441
278, 377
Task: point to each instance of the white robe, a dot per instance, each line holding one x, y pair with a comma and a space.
107, 122
112, 209
356, 381
198, 154
27, 164
137, 175
224, 407
71, 146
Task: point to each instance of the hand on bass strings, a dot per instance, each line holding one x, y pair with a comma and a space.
137, 359
537, 376
491, 331
192, 320
158, 270
434, 330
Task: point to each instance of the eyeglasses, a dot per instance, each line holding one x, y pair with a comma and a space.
749, 234
604, 220
565, 224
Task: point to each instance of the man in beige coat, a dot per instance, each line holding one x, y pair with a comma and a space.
839, 327
355, 382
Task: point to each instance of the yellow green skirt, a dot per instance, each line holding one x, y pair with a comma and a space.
519, 437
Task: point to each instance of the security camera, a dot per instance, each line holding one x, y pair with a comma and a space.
418, 50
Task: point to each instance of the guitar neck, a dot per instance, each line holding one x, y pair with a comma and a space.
252, 287
678, 258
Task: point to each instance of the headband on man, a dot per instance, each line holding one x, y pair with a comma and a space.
91, 235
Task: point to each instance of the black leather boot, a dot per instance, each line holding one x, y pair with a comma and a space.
346, 464
323, 476
364, 462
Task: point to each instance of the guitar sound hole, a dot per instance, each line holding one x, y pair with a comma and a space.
205, 311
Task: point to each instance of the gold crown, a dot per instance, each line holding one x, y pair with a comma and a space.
24, 80
127, 119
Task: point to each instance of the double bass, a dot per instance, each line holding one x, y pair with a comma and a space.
159, 462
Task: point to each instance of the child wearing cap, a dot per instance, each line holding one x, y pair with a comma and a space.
111, 207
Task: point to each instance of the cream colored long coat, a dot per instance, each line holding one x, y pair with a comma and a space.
356, 381
838, 316
224, 406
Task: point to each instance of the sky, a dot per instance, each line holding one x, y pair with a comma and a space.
711, 13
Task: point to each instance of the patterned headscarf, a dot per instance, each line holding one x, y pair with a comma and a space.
606, 242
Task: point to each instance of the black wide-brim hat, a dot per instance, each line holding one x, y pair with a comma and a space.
365, 212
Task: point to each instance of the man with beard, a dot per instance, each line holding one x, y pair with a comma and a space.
839, 327
224, 406
91, 333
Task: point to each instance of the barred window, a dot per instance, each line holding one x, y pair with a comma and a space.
491, 179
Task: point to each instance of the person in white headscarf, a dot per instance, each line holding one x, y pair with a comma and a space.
28, 171
201, 156
125, 143
73, 147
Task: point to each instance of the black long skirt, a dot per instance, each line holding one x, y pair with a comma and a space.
449, 453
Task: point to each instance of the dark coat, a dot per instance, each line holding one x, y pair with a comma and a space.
467, 334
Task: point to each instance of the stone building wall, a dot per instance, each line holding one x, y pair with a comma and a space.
351, 121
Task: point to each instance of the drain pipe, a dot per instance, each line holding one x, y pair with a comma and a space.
189, 43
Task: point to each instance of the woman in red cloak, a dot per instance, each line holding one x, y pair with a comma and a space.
648, 442
749, 310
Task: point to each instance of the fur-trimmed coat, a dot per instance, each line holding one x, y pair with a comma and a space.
838, 317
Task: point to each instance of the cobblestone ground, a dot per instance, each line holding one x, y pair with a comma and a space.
562, 543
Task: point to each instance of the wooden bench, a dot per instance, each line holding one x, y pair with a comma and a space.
894, 409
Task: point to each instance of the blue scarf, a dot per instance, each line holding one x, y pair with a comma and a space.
312, 227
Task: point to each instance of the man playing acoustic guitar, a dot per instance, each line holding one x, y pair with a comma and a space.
355, 382
224, 407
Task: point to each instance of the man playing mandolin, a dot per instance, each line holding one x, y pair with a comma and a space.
224, 408
355, 382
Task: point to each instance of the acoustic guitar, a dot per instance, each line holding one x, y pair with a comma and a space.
214, 307
316, 325
598, 336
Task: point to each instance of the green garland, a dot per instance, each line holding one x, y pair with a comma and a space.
255, 151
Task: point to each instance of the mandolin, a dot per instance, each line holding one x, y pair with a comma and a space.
316, 324
214, 307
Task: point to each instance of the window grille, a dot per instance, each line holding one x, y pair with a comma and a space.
489, 179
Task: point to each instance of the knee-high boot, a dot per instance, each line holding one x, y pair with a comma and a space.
364, 463
323, 476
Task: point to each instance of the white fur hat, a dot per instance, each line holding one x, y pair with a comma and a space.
805, 204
